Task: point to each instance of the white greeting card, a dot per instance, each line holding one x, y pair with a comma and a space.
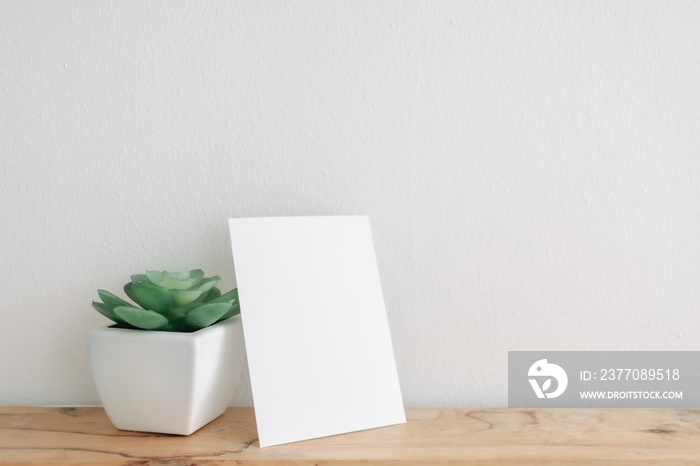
317, 336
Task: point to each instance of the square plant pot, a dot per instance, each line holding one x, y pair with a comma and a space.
166, 382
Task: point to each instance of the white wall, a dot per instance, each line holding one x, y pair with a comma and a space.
531, 169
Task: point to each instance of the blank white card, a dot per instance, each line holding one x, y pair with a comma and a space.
316, 332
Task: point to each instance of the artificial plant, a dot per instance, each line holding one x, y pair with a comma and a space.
170, 301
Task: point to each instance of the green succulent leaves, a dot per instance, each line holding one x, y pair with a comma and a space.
176, 280
150, 296
170, 301
207, 314
141, 318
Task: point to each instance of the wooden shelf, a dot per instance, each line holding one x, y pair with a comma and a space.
432, 436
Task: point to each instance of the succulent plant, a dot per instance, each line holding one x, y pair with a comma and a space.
170, 301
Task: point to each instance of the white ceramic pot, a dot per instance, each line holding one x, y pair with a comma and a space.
166, 382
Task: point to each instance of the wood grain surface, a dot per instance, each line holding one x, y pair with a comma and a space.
432, 436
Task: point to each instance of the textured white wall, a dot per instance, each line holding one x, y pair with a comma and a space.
531, 169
